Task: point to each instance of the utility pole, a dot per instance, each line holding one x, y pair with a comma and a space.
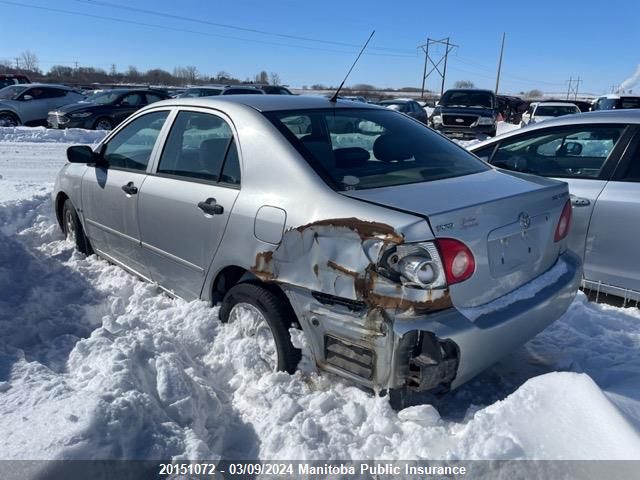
573, 88
500, 62
435, 62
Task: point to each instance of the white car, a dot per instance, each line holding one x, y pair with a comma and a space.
540, 111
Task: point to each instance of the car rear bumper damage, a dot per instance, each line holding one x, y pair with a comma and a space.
439, 351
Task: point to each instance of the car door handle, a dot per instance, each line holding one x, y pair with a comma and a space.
210, 207
580, 202
130, 188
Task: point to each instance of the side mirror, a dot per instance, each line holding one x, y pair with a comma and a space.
26, 98
82, 154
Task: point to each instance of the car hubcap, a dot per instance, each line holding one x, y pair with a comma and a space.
103, 125
70, 227
253, 325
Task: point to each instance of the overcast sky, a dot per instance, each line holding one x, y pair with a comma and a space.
547, 41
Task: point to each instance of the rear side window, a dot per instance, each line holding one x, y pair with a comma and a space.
152, 97
197, 146
131, 147
353, 149
242, 91
577, 152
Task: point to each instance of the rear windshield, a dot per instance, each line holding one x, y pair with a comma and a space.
558, 111
357, 149
463, 98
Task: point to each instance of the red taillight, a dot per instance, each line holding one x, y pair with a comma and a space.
458, 260
564, 224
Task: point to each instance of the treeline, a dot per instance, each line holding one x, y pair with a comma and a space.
28, 64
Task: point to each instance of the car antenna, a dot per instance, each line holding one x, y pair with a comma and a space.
335, 95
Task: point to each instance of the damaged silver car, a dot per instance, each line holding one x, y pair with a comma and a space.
406, 261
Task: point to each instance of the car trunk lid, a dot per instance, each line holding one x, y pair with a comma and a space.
507, 220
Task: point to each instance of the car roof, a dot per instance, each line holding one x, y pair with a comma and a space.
483, 90
54, 85
555, 104
619, 95
397, 100
266, 103
624, 116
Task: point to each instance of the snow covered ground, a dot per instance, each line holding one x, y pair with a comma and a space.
95, 364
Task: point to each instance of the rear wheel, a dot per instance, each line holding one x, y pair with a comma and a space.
103, 123
264, 317
8, 119
72, 228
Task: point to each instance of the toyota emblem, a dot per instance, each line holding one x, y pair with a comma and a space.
525, 220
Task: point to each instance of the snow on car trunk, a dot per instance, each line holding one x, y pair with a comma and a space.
97, 364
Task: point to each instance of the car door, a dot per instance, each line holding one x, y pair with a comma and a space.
110, 193
34, 104
127, 105
612, 256
582, 155
185, 205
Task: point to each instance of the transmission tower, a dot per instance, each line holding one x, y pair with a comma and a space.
435, 60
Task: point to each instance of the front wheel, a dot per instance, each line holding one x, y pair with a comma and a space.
72, 228
8, 120
264, 317
103, 124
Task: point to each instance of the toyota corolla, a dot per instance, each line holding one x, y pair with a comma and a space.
405, 260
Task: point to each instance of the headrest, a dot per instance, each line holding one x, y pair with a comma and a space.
388, 149
205, 122
351, 157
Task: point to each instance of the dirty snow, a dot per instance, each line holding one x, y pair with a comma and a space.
97, 364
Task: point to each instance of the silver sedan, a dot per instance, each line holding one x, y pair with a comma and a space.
406, 261
598, 155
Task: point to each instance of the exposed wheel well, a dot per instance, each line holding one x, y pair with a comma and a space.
60, 199
232, 275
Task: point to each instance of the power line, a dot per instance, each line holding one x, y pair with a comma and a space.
196, 32
228, 26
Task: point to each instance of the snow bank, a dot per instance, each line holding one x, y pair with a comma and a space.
42, 134
96, 364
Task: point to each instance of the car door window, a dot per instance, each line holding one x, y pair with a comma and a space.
197, 146
577, 152
131, 147
152, 97
36, 93
132, 100
485, 153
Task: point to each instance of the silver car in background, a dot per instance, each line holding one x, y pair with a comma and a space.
406, 261
29, 104
598, 155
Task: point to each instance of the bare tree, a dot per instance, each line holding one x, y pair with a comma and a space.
262, 77
29, 61
274, 78
463, 84
191, 72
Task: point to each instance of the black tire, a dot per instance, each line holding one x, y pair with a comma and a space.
71, 226
8, 119
103, 123
278, 314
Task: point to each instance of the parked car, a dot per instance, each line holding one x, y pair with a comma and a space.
105, 110
465, 112
213, 90
541, 111
616, 102
408, 107
7, 79
274, 89
406, 261
598, 155
28, 104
